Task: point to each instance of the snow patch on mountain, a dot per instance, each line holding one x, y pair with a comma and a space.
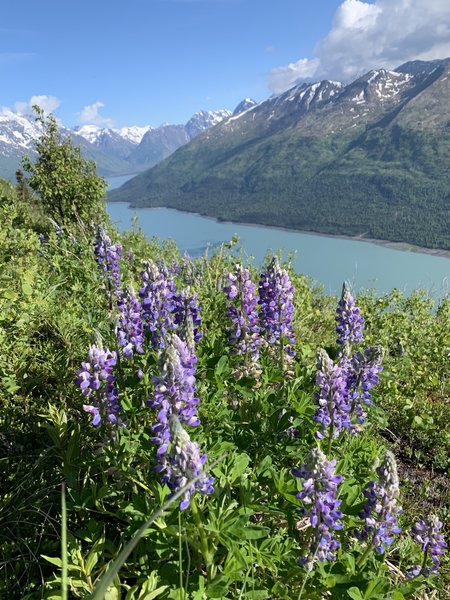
203, 120
94, 134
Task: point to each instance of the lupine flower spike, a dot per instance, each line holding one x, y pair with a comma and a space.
157, 293
107, 255
276, 313
97, 382
243, 335
333, 413
322, 508
427, 534
350, 323
187, 318
362, 372
174, 399
129, 330
381, 509
184, 462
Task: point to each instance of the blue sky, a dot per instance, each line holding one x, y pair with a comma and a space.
145, 62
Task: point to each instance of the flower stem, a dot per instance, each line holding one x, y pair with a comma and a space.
208, 556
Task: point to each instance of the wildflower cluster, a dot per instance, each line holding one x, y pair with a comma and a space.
320, 484
108, 255
244, 334
427, 534
276, 312
362, 374
175, 400
184, 462
349, 320
187, 317
157, 294
333, 413
97, 382
381, 509
129, 330
260, 317
345, 387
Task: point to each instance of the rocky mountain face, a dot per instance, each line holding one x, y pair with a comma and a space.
116, 151
203, 120
369, 158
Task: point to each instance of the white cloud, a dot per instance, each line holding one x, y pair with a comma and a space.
47, 103
283, 78
90, 115
384, 33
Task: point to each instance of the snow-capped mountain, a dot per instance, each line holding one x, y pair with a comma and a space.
115, 150
246, 104
95, 134
203, 120
115, 142
17, 133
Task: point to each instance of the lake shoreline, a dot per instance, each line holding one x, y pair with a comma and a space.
400, 246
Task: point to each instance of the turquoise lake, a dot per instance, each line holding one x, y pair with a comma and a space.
328, 260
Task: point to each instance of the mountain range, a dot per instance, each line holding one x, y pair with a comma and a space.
370, 158
115, 151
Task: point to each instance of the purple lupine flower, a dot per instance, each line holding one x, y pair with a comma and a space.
350, 323
184, 462
322, 508
107, 256
243, 335
157, 293
187, 317
175, 400
97, 382
333, 413
362, 372
174, 391
188, 270
129, 330
427, 534
276, 312
381, 509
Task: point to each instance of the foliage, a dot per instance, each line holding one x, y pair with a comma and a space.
245, 539
69, 189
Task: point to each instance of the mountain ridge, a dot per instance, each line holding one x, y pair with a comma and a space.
368, 158
116, 151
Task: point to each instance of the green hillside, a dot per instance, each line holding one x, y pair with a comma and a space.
387, 183
370, 159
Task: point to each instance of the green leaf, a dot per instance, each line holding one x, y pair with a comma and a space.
376, 588
27, 289
91, 560
355, 593
222, 365
53, 560
218, 588
10, 295
254, 532
240, 465
113, 592
154, 593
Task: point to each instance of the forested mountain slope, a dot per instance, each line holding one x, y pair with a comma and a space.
369, 159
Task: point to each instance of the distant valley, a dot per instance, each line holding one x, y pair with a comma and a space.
369, 159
